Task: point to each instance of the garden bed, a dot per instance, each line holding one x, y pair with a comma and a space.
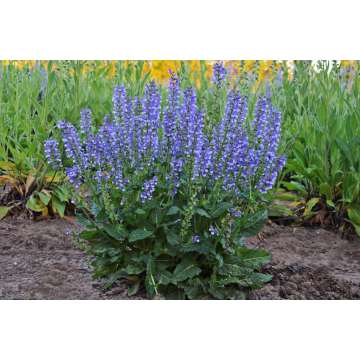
39, 261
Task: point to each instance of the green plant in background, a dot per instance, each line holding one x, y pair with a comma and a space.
321, 128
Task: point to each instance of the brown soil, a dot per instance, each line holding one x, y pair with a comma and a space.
39, 261
309, 263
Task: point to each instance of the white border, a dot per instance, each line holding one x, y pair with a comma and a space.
186, 29
61, 330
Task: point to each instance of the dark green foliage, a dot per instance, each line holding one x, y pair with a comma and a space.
149, 247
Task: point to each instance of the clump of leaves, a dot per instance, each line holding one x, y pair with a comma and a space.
37, 191
148, 245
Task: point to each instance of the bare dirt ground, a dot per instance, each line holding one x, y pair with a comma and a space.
309, 263
39, 261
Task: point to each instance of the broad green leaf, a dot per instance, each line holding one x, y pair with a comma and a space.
140, 212
4, 210
35, 204
310, 205
259, 279
44, 197
84, 221
173, 238
253, 258
279, 210
221, 209
202, 212
90, 234
166, 278
116, 231
186, 269
354, 217
139, 234
295, 186
173, 210
254, 223
235, 270
325, 189
134, 288
134, 269
58, 206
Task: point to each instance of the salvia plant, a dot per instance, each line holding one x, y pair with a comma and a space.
168, 198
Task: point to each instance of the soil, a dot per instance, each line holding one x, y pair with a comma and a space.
309, 263
38, 260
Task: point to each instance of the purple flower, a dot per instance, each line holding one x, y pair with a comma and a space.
174, 136
219, 74
52, 153
148, 189
213, 231
235, 213
85, 121
196, 239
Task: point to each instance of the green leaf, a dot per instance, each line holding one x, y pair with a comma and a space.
325, 189
221, 209
253, 258
139, 234
310, 205
173, 210
202, 212
140, 212
330, 203
295, 186
134, 288
58, 206
90, 234
254, 223
150, 283
186, 269
166, 278
258, 279
4, 210
84, 221
173, 238
35, 204
235, 270
204, 247
134, 269
116, 231
279, 210
45, 198
195, 289
354, 217
287, 196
